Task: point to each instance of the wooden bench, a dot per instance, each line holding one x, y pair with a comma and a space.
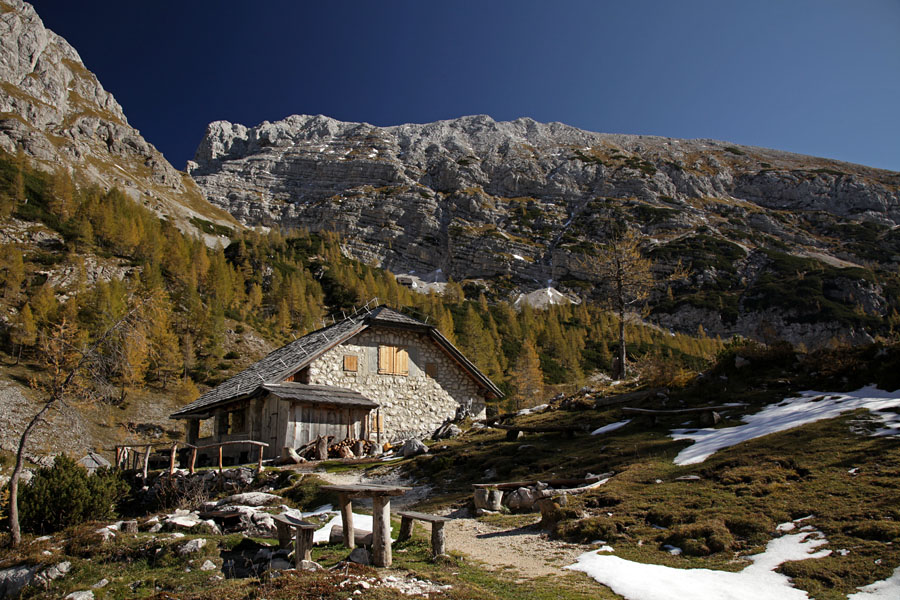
709, 415
303, 536
408, 517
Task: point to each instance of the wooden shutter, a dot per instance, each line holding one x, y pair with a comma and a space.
431, 370
385, 359
351, 363
401, 362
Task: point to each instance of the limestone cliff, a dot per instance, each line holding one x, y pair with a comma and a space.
520, 203
54, 108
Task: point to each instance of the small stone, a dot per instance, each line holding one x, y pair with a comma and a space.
192, 546
129, 527
100, 584
279, 564
208, 565
82, 595
309, 565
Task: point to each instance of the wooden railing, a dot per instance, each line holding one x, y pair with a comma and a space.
123, 450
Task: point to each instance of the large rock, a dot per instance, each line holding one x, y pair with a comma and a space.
58, 112
413, 447
250, 499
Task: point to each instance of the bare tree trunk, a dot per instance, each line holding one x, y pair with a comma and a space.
621, 367
14, 528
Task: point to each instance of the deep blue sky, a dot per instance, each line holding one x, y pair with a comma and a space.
819, 77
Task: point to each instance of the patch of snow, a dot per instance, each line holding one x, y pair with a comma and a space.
533, 409
611, 427
638, 581
673, 550
605, 548
886, 589
517, 257
361, 523
785, 527
807, 408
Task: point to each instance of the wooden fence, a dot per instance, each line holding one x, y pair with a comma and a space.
123, 451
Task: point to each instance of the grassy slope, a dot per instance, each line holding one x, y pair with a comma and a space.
743, 491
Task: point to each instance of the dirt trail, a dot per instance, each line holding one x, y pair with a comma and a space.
525, 549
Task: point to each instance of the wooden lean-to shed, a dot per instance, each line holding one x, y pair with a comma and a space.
375, 375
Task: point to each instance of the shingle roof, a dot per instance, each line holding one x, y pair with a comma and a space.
288, 359
323, 394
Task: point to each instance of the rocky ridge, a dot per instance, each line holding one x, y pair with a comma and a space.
519, 204
57, 111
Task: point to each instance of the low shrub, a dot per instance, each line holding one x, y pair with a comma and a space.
755, 528
589, 530
665, 517
701, 539
307, 493
65, 494
882, 531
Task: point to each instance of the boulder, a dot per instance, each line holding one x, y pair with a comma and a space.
360, 556
521, 500
488, 499
250, 499
14, 580
413, 447
82, 595
192, 546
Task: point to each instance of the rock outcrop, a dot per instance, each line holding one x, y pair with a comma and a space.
55, 109
520, 203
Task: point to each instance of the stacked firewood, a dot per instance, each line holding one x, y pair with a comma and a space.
346, 448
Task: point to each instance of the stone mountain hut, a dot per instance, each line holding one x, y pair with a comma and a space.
378, 375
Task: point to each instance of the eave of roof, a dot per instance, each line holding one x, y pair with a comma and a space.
319, 394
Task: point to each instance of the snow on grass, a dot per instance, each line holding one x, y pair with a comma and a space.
611, 427
639, 581
886, 589
789, 413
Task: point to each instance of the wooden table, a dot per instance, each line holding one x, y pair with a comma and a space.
381, 515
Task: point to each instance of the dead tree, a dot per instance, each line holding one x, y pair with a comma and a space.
73, 371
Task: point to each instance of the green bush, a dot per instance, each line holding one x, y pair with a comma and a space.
65, 494
701, 539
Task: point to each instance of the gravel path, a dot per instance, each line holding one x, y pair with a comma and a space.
525, 549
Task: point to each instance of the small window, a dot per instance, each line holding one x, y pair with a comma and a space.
237, 421
431, 370
351, 363
393, 360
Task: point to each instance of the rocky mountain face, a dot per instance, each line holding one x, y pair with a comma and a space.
54, 108
520, 204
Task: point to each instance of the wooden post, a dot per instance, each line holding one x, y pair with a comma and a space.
437, 538
259, 462
146, 461
193, 459
378, 426
172, 459
220, 461
381, 531
303, 543
321, 447
347, 520
284, 534
406, 528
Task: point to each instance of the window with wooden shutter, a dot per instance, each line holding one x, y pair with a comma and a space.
351, 363
393, 360
431, 369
